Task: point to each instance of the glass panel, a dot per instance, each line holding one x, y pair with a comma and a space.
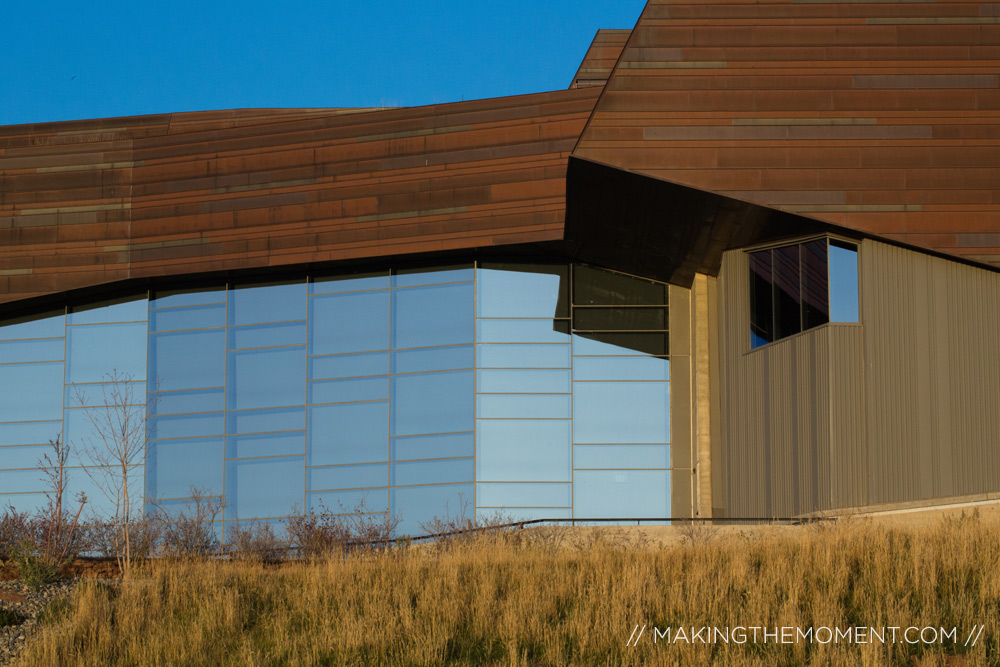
20, 351
188, 297
262, 421
31, 392
187, 360
787, 301
621, 343
523, 381
843, 282
433, 275
349, 502
349, 365
96, 351
436, 315
352, 282
516, 450
524, 356
443, 471
266, 378
523, 331
441, 446
255, 304
621, 456
348, 433
621, 412
761, 299
344, 391
349, 323
593, 286
120, 310
621, 368
433, 403
198, 317
433, 359
25, 457
175, 467
186, 426
348, 477
522, 513
257, 488
620, 319
418, 505
523, 290
22, 502
621, 494
22, 481
524, 406
28, 433
524, 495
180, 402
84, 429
268, 335
104, 394
49, 325
265, 444
815, 284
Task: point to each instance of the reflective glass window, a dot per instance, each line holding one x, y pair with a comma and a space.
267, 335
24, 457
815, 284
186, 426
22, 481
348, 433
417, 505
761, 295
523, 331
524, 495
432, 275
523, 450
523, 290
180, 402
175, 467
523, 381
345, 391
187, 360
124, 310
524, 406
621, 412
621, 456
433, 402
511, 515
434, 315
266, 378
621, 344
843, 282
264, 487
28, 433
256, 304
348, 477
22, 502
433, 359
195, 317
31, 392
353, 502
444, 471
341, 323
265, 444
19, 351
599, 287
353, 282
438, 446
263, 421
95, 351
620, 319
193, 296
621, 368
348, 365
52, 325
787, 297
524, 356
103, 394
621, 494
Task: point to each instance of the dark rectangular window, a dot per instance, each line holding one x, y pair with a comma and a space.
815, 284
761, 308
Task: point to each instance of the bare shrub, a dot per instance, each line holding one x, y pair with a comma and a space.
697, 533
191, 533
254, 541
464, 526
323, 534
104, 536
15, 527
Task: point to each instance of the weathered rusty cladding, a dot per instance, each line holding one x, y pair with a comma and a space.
600, 59
89, 202
879, 116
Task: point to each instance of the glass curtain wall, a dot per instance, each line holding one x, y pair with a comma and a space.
532, 390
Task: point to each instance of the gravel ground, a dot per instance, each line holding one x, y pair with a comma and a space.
17, 598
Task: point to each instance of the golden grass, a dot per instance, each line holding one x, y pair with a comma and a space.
545, 601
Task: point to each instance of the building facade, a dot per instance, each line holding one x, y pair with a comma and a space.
746, 266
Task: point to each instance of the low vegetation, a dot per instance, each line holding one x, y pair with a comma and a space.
550, 597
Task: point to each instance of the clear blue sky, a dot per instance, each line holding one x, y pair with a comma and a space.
67, 60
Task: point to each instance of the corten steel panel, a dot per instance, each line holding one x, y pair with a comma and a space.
90, 202
882, 116
600, 58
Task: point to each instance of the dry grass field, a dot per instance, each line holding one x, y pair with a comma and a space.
556, 597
